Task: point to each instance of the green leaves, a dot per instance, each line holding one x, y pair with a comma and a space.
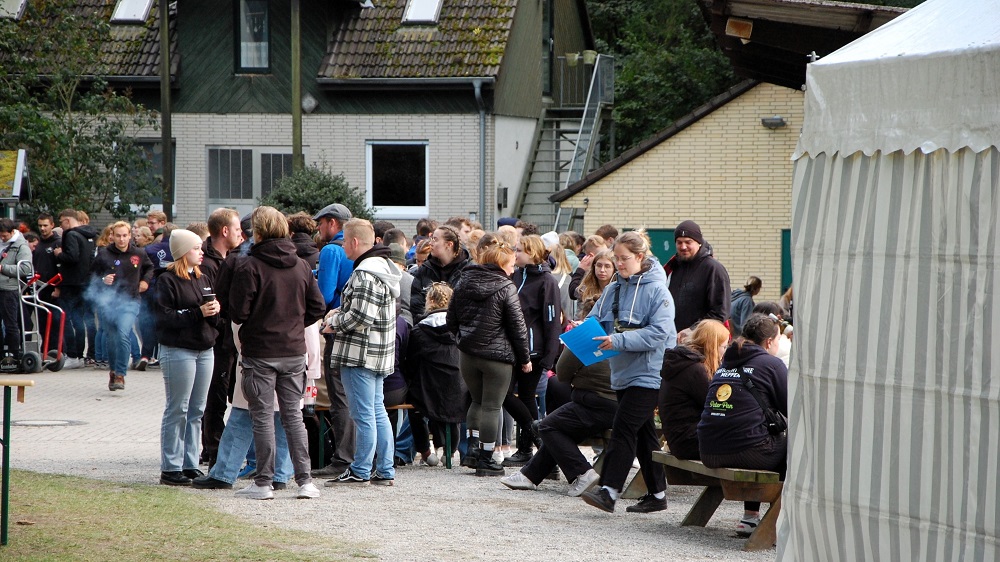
313, 188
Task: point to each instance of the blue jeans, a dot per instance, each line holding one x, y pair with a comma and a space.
118, 321
237, 439
373, 432
101, 349
186, 376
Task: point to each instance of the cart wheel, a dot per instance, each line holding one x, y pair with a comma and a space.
31, 362
56, 365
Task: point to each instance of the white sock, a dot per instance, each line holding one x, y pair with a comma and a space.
475, 433
612, 492
660, 495
488, 446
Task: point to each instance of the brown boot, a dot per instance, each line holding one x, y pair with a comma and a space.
117, 382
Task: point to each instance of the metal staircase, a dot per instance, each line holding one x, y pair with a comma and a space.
564, 151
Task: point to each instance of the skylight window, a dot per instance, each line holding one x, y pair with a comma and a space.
131, 11
12, 9
422, 11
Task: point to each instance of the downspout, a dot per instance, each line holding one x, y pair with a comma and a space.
478, 86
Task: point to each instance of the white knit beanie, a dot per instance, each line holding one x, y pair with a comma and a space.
181, 242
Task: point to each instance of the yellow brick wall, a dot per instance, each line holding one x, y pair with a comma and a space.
726, 172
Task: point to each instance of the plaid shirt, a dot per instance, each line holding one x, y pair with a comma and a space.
365, 326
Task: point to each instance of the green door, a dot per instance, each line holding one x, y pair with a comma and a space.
662, 241
786, 259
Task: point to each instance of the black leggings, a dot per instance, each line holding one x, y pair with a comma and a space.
523, 407
769, 454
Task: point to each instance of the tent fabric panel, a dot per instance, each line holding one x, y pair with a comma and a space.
894, 394
912, 84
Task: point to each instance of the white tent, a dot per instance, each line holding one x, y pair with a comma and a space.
895, 383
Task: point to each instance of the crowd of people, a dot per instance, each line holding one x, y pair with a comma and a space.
283, 320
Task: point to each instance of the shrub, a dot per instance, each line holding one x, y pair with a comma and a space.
314, 187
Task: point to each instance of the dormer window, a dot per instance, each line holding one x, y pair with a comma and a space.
253, 37
422, 11
131, 11
12, 9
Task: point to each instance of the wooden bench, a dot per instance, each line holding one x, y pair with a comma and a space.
5, 443
731, 484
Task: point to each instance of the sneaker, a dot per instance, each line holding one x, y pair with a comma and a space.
328, 470
72, 363
601, 499
154, 363
174, 478
140, 365
378, 480
518, 481
583, 482
520, 458
247, 471
747, 526
648, 504
347, 477
90, 363
193, 473
308, 491
278, 486
432, 458
101, 364
117, 382
209, 483
255, 492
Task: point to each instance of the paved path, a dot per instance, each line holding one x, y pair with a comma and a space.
431, 513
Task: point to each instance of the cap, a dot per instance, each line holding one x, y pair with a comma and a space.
334, 211
506, 221
181, 242
398, 254
689, 229
550, 238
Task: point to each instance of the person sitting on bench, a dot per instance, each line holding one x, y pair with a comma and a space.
734, 431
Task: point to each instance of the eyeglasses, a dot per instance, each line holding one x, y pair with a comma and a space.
623, 259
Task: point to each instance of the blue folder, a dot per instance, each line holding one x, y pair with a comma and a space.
581, 342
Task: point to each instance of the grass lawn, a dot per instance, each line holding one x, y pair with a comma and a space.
65, 518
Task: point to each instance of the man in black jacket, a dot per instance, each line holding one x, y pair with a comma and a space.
74, 258
698, 282
44, 259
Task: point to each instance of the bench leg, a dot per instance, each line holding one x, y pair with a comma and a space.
765, 535
703, 509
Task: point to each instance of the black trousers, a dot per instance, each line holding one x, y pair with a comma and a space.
77, 312
523, 407
424, 428
147, 328
633, 435
769, 454
10, 314
341, 424
220, 392
562, 431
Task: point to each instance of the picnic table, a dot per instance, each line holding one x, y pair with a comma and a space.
8, 386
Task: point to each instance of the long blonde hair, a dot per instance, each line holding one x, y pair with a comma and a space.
706, 338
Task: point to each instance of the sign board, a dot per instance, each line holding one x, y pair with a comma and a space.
13, 174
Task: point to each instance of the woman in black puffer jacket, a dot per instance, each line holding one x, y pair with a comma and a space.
447, 261
485, 315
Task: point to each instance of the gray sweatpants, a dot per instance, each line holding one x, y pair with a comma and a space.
487, 381
262, 379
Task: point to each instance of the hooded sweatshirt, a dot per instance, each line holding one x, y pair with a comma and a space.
540, 299
15, 261
365, 325
682, 399
741, 306
79, 246
646, 314
274, 296
485, 314
700, 288
732, 421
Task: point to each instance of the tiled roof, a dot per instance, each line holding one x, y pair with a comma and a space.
469, 40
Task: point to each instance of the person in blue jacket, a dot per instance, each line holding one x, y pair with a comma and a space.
637, 311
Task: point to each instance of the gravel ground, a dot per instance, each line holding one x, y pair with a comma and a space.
430, 514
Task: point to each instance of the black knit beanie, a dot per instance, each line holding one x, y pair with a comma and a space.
689, 229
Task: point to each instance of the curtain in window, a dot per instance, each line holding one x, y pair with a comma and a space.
253, 34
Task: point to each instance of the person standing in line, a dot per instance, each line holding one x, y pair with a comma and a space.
698, 282
447, 260
637, 311
46, 266
742, 303
79, 246
274, 296
15, 262
187, 325
485, 314
124, 271
333, 270
225, 235
364, 343
160, 256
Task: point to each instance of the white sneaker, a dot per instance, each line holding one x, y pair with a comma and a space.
432, 459
308, 491
498, 456
255, 492
518, 481
72, 363
747, 525
583, 483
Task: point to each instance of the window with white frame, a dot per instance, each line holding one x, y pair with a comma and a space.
398, 178
12, 9
253, 36
422, 11
131, 11
242, 175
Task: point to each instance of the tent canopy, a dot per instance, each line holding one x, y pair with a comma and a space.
929, 79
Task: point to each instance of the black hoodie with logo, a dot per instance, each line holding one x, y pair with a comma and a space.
79, 246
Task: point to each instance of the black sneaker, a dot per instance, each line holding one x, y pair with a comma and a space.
174, 478
648, 504
600, 498
347, 477
279, 485
381, 480
209, 483
193, 473
520, 458
140, 365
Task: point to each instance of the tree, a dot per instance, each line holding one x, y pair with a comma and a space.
312, 188
78, 132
